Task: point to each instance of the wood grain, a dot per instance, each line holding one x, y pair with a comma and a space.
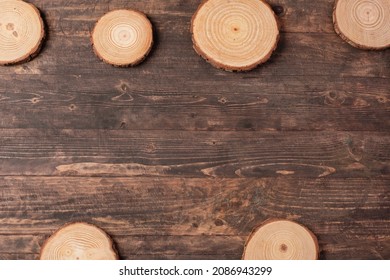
189, 154
122, 37
21, 32
363, 24
236, 35
78, 241
176, 159
345, 214
277, 239
345, 105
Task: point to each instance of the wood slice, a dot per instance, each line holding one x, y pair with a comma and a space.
235, 35
364, 24
123, 37
281, 240
21, 31
79, 241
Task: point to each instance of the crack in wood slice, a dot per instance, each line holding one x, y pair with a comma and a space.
79, 241
364, 24
123, 37
235, 35
21, 32
281, 240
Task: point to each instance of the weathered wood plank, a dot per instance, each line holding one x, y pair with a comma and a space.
193, 154
178, 206
178, 218
192, 247
352, 106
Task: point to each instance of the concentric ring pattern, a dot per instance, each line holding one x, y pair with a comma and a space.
236, 34
281, 240
363, 23
123, 37
78, 241
21, 31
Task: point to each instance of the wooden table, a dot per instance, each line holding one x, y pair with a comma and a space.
178, 160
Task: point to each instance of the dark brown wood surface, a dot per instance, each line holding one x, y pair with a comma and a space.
178, 160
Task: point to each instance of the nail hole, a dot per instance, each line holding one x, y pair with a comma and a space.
279, 10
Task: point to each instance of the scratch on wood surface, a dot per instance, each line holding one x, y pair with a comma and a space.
212, 123
127, 169
360, 103
111, 220
24, 69
293, 217
285, 172
328, 171
208, 171
356, 166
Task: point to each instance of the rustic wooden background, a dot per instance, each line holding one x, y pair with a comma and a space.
178, 160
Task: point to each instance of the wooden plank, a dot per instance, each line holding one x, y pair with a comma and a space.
181, 218
178, 206
194, 248
193, 154
354, 106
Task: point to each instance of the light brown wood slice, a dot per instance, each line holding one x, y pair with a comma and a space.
123, 37
235, 35
21, 31
79, 241
281, 240
364, 24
